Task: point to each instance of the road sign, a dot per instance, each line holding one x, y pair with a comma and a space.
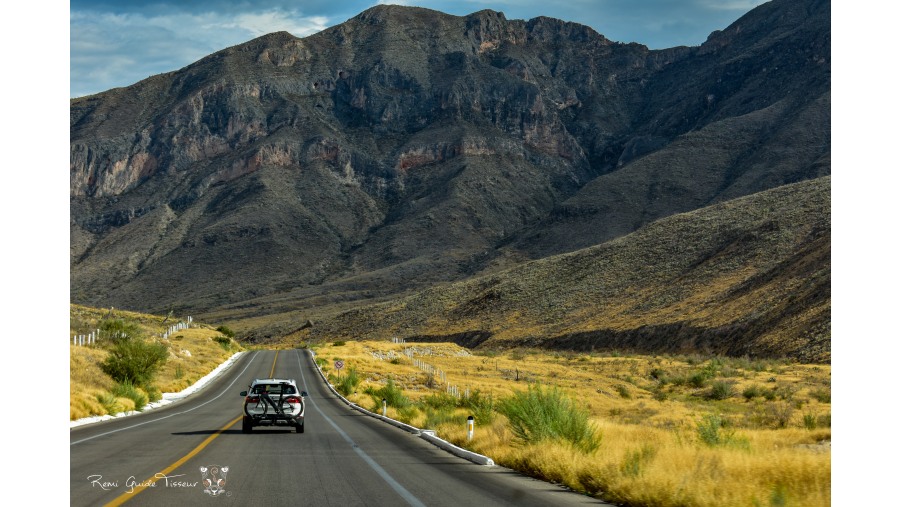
338, 365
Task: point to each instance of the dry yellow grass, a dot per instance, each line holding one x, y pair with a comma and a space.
773, 452
193, 353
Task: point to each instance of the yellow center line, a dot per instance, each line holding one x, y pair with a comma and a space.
124, 497
272, 373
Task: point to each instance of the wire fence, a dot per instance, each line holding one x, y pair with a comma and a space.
95, 336
439, 376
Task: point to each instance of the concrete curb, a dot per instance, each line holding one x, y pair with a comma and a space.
428, 435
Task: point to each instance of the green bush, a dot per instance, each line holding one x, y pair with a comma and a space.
752, 391
712, 430
224, 341
390, 392
153, 393
482, 407
225, 330
698, 379
809, 421
437, 417
114, 331
109, 402
660, 375
538, 414
721, 390
135, 360
348, 383
441, 401
127, 389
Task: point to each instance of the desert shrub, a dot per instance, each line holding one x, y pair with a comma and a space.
114, 331
821, 395
698, 379
773, 415
339, 343
660, 375
713, 430
127, 389
659, 394
110, 403
440, 401
752, 391
482, 407
223, 341
153, 393
437, 417
809, 421
135, 361
623, 391
721, 390
225, 330
538, 414
348, 383
390, 392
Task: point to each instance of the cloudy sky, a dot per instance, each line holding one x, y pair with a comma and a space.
117, 43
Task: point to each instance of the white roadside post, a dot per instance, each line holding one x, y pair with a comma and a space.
471, 424
384, 407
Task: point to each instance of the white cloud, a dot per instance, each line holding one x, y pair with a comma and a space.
110, 50
731, 5
261, 23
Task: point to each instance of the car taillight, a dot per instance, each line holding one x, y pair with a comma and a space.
252, 399
292, 399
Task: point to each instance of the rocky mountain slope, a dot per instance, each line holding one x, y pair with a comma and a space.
286, 178
750, 276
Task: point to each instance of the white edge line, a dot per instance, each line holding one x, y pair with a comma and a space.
428, 435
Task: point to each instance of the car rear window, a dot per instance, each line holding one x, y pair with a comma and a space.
274, 389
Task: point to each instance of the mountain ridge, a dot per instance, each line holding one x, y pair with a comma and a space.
407, 147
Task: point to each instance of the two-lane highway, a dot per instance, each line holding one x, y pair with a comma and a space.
344, 458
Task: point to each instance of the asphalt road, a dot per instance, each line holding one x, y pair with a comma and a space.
344, 458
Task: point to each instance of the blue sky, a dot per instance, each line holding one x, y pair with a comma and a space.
117, 43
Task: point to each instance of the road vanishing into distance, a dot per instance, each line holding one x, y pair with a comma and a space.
344, 457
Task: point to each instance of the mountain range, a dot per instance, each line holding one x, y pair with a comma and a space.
282, 183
